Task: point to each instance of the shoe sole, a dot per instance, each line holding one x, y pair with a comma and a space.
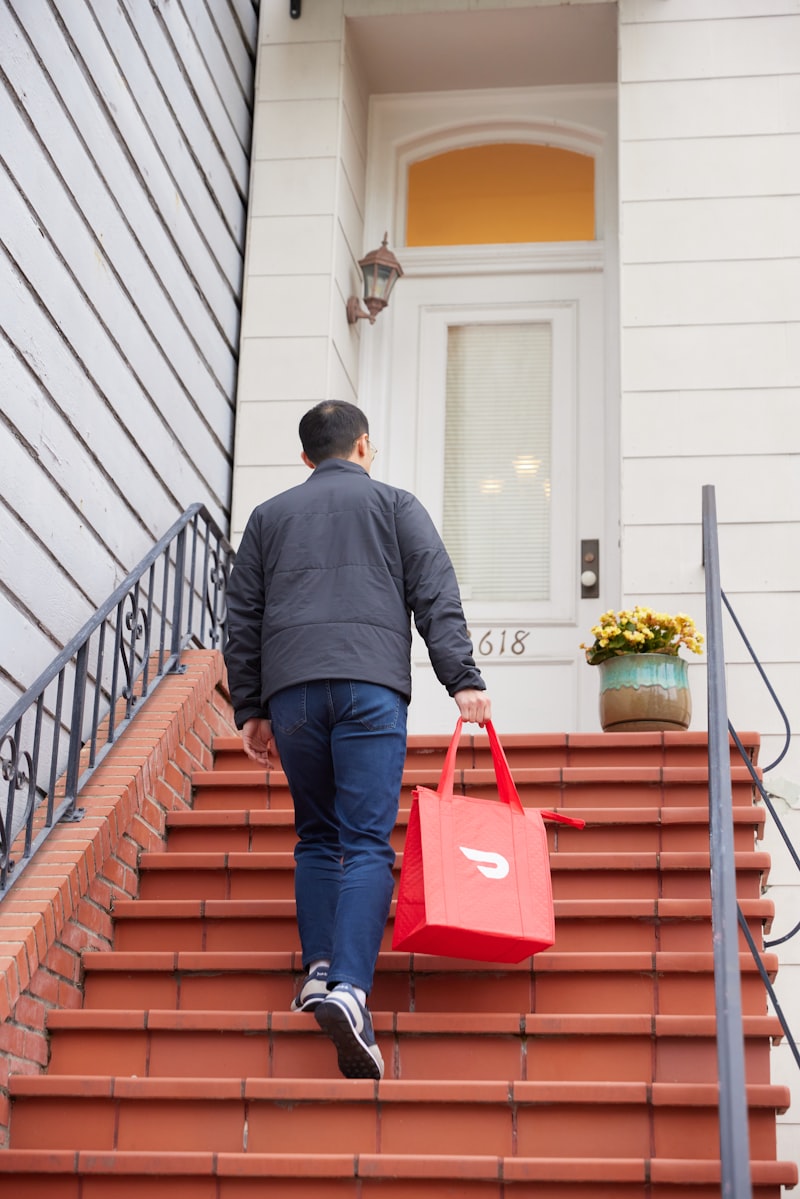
355, 1059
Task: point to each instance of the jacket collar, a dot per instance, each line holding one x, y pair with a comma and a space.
337, 464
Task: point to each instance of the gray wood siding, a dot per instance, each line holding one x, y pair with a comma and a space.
124, 176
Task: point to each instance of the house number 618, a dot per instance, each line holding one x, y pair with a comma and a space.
495, 643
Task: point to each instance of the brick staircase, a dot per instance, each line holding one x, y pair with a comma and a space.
587, 1070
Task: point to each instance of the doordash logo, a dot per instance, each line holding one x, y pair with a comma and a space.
495, 865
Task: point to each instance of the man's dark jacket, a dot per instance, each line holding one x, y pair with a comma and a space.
324, 583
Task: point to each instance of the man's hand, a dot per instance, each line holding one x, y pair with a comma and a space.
257, 739
474, 706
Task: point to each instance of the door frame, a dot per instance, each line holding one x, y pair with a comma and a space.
426, 433
404, 128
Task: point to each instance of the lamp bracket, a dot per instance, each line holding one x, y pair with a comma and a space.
356, 313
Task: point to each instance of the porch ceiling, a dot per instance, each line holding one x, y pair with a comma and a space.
515, 47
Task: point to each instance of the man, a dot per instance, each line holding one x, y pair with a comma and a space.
319, 662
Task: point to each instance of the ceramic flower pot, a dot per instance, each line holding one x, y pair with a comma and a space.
644, 692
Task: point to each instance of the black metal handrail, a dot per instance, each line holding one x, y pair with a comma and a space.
786, 726
59, 731
726, 912
733, 1120
781, 828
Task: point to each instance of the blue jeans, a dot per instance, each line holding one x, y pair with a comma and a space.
342, 745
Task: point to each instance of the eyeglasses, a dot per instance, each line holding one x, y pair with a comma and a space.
372, 449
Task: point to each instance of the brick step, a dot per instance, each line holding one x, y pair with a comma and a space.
539, 749
66, 1174
595, 749
629, 923
607, 830
664, 983
161, 1043
543, 787
103, 1112
266, 980
575, 875
581, 924
588, 1069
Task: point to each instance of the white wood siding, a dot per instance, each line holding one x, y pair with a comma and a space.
304, 239
124, 179
710, 297
710, 200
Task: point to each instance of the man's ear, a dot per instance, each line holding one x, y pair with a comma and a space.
311, 465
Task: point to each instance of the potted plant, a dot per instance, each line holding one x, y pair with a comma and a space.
643, 682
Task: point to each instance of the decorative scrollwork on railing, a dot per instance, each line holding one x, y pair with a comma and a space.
138, 625
217, 595
8, 769
27, 780
11, 769
8, 766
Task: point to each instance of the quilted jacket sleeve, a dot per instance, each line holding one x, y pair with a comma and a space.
245, 616
432, 594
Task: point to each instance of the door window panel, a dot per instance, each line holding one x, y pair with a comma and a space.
498, 451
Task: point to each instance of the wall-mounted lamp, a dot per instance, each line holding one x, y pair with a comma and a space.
380, 270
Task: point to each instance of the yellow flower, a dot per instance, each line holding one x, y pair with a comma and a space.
642, 630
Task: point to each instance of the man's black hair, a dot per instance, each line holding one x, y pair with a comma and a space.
331, 429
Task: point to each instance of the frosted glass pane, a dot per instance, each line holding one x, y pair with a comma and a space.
500, 193
496, 522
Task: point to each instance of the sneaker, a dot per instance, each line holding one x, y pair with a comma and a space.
349, 1025
313, 990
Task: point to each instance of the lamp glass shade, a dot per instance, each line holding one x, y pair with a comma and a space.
380, 270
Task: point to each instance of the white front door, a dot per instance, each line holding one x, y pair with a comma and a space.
494, 415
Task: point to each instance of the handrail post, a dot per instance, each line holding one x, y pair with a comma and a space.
76, 725
177, 599
733, 1116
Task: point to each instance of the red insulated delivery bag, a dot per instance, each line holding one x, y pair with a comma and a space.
475, 881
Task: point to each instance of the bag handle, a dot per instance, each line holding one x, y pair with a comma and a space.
573, 821
502, 772
505, 784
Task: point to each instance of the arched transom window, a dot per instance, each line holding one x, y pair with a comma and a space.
502, 192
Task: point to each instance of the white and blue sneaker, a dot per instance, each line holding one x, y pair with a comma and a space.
313, 990
349, 1025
